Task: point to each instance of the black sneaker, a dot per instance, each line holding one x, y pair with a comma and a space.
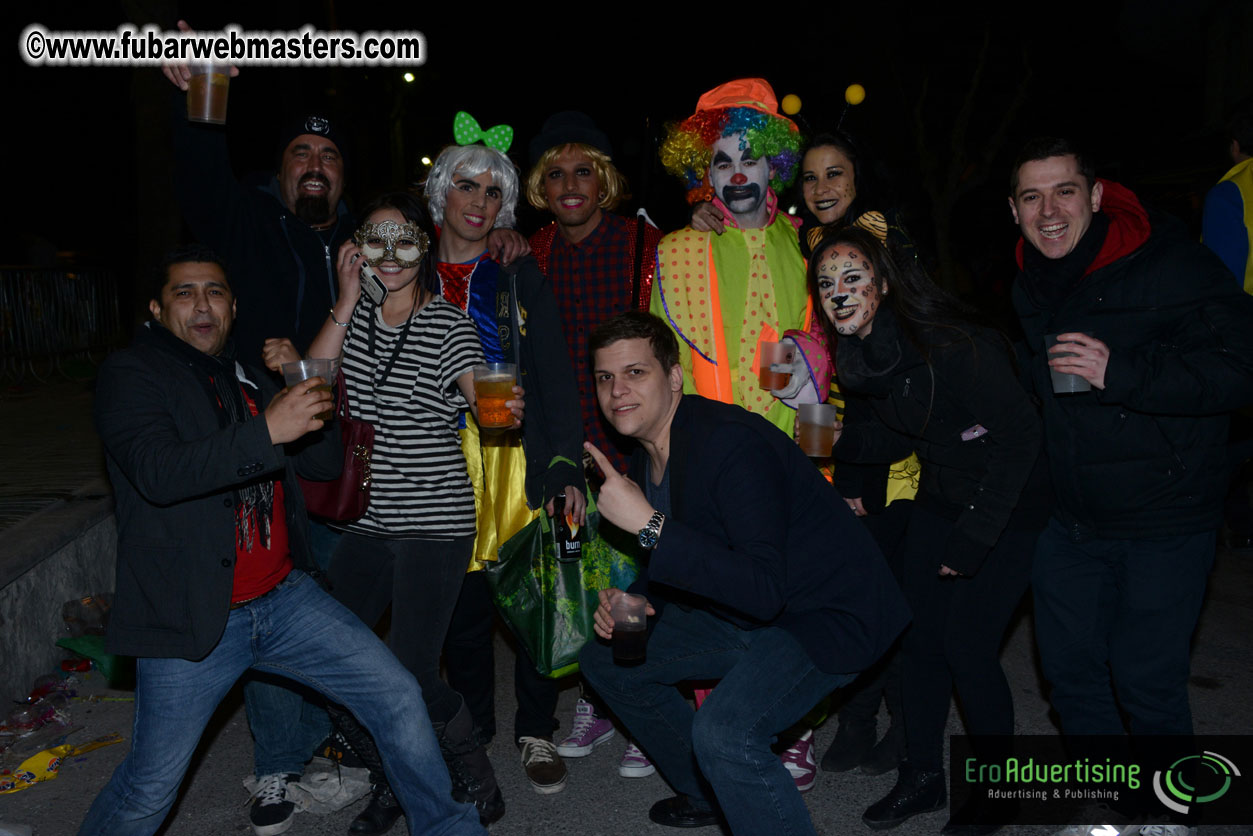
544, 767
916, 792
853, 741
271, 812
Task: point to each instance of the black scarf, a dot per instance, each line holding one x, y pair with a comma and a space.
223, 380
1052, 279
866, 365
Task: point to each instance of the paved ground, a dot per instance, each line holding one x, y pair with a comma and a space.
47, 447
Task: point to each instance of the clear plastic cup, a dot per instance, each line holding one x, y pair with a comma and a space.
816, 425
207, 90
630, 623
493, 387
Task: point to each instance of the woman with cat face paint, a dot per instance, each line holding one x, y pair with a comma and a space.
920, 376
838, 188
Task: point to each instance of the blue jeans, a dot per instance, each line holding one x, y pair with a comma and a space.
1124, 609
300, 632
285, 725
768, 682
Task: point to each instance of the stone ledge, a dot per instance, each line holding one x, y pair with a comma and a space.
65, 551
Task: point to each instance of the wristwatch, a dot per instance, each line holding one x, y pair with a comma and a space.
650, 532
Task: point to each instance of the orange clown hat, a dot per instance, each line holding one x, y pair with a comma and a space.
754, 93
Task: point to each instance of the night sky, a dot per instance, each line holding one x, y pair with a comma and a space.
1144, 84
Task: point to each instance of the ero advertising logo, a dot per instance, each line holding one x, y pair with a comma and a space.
1193, 780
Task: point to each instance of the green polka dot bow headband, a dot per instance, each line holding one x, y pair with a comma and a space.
466, 131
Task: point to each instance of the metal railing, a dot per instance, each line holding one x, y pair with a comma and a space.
49, 315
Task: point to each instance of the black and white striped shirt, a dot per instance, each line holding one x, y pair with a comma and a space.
420, 486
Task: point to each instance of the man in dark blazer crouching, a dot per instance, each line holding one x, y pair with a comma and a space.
758, 575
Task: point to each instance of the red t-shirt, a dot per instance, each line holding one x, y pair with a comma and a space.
259, 569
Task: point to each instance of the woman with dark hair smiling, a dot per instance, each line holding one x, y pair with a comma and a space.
408, 368
920, 376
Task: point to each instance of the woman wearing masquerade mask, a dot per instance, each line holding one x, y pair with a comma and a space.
470, 190
921, 377
408, 368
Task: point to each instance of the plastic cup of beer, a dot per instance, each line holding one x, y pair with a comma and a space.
816, 422
630, 620
294, 373
206, 93
1063, 384
769, 353
493, 386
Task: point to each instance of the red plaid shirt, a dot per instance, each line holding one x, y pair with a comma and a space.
592, 282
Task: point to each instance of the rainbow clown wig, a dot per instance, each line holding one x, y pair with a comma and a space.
745, 106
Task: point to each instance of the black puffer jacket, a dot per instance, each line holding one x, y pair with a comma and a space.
1145, 457
927, 408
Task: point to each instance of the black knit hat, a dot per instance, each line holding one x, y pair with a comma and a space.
316, 124
566, 127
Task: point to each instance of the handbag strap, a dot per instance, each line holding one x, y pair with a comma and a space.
341, 389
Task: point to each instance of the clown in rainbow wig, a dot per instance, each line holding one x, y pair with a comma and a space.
725, 295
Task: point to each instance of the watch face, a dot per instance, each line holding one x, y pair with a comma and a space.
649, 533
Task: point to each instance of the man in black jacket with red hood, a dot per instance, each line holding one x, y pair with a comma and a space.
1154, 323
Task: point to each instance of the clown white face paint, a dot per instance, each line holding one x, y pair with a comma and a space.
740, 180
846, 285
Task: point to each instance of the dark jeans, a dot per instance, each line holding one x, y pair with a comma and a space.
1237, 508
470, 662
882, 679
1120, 608
768, 682
471, 667
421, 580
955, 638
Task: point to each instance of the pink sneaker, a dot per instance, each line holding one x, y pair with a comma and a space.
634, 763
799, 760
586, 733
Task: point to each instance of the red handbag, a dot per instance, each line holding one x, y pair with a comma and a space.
346, 498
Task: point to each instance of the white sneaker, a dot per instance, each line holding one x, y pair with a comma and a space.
799, 760
1112, 822
1090, 830
1162, 830
634, 763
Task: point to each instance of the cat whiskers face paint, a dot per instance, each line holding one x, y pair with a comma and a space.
848, 290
